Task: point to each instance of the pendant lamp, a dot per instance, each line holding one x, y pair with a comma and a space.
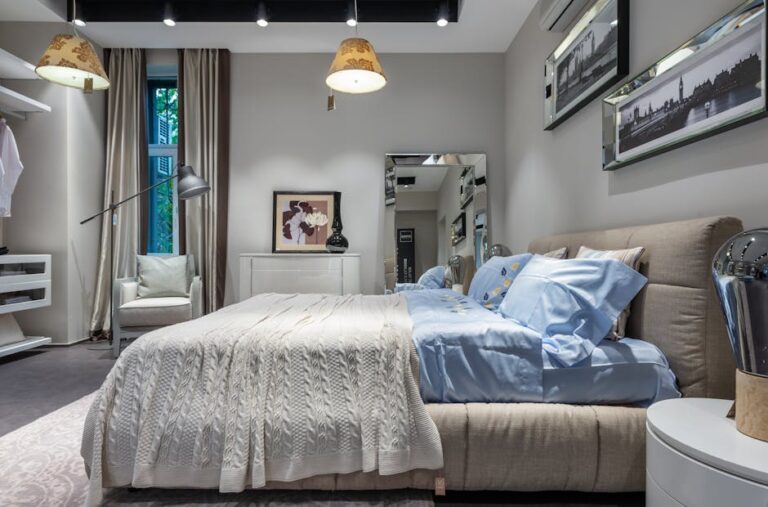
70, 60
356, 68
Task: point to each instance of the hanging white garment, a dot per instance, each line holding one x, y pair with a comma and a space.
10, 167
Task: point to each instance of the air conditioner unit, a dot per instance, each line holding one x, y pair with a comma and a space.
558, 15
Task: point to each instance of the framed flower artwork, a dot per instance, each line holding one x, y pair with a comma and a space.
301, 221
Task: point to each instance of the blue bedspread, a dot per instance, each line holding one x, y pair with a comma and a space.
469, 354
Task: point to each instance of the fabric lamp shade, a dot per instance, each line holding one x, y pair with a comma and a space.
190, 184
71, 61
356, 68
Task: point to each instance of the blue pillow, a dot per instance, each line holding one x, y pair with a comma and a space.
573, 303
494, 278
433, 278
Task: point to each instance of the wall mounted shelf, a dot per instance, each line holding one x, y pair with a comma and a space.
12, 102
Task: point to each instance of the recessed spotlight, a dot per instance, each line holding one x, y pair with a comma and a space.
262, 22
352, 22
79, 22
442, 22
169, 22
168, 17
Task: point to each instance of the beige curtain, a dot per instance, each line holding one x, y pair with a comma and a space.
204, 145
126, 169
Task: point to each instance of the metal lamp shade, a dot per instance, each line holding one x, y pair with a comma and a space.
458, 266
71, 61
740, 273
356, 68
190, 184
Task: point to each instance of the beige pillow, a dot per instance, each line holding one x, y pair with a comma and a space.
630, 257
560, 253
162, 276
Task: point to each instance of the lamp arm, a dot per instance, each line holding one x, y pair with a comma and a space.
118, 204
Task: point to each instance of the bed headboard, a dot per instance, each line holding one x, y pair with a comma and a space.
678, 310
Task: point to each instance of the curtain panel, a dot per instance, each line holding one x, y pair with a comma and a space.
126, 173
204, 144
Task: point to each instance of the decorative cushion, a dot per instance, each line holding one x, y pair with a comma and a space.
433, 278
560, 253
163, 276
573, 302
493, 279
630, 257
162, 311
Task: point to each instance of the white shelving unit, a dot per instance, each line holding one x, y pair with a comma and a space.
14, 103
25, 283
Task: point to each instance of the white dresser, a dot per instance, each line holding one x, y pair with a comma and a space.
299, 274
697, 458
25, 284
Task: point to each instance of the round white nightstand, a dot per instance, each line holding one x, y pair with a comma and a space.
697, 458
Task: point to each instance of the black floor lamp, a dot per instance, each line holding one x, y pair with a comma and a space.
190, 186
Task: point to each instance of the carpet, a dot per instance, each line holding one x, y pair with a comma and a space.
40, 465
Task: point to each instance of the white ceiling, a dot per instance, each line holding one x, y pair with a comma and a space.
26, 10
428, 178
486, 26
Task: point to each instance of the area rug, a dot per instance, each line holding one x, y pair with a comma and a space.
40, 465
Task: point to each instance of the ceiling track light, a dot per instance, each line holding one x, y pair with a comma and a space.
168, 18
443, 15
351, 13
76, 14
261, 15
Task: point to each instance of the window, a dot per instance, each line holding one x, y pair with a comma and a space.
163, 131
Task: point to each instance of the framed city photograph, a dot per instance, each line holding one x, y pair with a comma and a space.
459, 229
389, 186
301, 221
712, 83
592, 57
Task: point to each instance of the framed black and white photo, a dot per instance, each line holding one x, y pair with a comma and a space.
459, 229
713, 82
389, 186
592, 57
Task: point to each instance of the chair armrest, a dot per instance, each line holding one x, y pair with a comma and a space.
125, 290
196, 297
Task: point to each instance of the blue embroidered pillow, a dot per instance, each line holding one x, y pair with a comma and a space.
433, 278
493, 279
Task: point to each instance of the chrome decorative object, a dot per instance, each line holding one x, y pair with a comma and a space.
740, 272
458, 266
498, 250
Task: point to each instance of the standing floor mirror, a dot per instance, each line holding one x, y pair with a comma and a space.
436, 206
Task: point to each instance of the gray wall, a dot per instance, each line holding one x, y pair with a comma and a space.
554, 179
424, 224
63, 156
284, 139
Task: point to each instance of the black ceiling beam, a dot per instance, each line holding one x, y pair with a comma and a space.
278, 11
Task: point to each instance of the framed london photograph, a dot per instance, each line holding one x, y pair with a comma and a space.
301, 221
712, 83
592, 57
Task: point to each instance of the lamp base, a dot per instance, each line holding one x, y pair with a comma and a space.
752, 405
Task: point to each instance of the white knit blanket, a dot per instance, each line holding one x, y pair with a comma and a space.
278, 387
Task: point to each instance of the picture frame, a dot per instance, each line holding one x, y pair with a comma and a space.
593, 57
301, 221
390, 186
466, 186
712, 83
459, 229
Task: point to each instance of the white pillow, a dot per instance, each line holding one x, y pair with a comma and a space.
162, 276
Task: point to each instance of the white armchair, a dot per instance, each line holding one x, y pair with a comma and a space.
133, 316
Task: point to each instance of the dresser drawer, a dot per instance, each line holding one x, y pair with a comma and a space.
305, 281
296, 263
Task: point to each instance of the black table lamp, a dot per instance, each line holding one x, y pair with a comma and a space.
190, 185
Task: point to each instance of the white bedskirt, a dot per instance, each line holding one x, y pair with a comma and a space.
278, 387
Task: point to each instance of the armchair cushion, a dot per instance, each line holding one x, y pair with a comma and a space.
163, 276
163, 311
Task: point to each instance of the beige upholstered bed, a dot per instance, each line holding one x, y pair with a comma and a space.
528, 447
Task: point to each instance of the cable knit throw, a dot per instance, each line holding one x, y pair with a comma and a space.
278, 387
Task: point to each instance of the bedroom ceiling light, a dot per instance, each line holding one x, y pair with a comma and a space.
442, 15
356, 68
168, 17
261, 15
70, 60
351, 14
79, 22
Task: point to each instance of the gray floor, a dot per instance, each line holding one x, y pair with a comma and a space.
35, 383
